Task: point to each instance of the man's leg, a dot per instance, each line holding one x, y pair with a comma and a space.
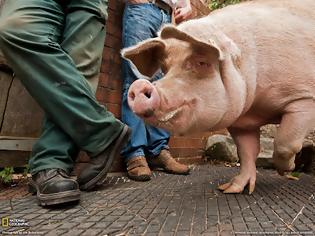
53, 149
136, 27
84, 36
157, 149
83, 40
29, 43
51, 155
158, 140
29, 37
139, 23
159, 155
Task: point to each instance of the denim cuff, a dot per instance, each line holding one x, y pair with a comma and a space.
133, 155
155, 154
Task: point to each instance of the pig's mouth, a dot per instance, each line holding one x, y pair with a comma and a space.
168, 119
168, 116
171, 120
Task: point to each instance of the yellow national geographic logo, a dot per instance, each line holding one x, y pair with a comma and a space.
5, 222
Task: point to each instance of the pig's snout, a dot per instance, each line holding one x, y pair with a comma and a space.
143, 98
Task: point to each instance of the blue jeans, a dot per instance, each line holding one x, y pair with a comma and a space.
140, 22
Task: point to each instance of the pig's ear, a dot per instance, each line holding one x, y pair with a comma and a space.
169, 31
146, 56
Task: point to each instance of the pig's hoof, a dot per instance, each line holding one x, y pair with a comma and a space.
237, 185
283, 167
282, 172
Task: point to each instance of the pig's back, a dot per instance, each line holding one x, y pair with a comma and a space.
277, 41
255, 16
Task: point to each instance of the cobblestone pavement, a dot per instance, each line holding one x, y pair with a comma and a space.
175, 205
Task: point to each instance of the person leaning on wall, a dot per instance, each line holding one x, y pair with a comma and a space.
55, 48
148, 146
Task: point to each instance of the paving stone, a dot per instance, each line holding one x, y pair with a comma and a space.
49, 226
110, 218
212, 229
182, 233
118, 212
102, 225
153, 234
303, 228
240, 227
95, 218
177, 205
27, 211
61, 216
73, 232
139, 229
67, 225
110, 232
118, 224
226, 233
86, 225
92, 232
155, 228
186, 219
79, 219
210, 234
103, 213
72, 211
126, 218
56, 232
37, 222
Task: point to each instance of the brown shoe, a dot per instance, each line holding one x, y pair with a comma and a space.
95, 172
168, 163
138, 169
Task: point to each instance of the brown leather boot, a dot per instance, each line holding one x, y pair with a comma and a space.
168, 163
138, 169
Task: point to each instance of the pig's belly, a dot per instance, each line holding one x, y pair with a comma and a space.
251, 122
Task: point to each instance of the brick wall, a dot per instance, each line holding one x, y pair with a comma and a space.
186, 149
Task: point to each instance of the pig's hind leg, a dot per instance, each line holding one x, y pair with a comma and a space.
248, 147
294, 126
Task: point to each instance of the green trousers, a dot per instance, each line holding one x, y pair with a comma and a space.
55, 48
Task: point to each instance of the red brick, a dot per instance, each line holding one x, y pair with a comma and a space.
113, 42
112, 5
105, 66
187, 142
105, 95
185, 152
107, 53
115, 82
114, 108
196, 160
103, 80
115, 17
117, 58
113, 30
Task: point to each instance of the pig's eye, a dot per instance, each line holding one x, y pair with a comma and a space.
198, 64
203, 64
164, 68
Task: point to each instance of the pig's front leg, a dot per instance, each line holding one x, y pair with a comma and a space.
290, 135
248, 146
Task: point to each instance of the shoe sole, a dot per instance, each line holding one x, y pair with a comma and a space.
54, 198
176, 173
141, 178
100, 178
158, 168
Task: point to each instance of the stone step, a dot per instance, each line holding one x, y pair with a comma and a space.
222, 148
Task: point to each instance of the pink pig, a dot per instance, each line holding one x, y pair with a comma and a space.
239, 68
